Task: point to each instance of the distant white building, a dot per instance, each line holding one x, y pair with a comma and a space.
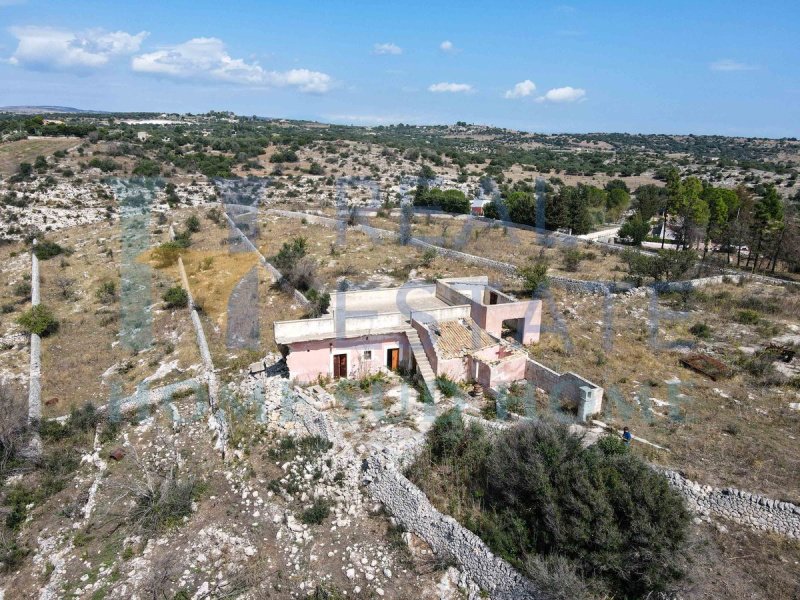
142, 136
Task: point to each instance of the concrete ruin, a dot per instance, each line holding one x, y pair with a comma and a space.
460, 328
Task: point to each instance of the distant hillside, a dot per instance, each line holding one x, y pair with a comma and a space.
41, 110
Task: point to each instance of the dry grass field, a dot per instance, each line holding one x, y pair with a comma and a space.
362, 261
214, 268
90, 358
515, 246
14, 153
738, 431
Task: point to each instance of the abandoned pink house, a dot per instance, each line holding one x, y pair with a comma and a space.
461, 328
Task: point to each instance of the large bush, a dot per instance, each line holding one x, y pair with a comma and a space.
453, 201
147, 168
39, 319
536, 495
46, 249
176, 297
534, 276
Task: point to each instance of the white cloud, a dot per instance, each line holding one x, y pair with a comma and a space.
727, 64
448, 46
305, 80
207, 58
52, 48
563, 94
521, 89
387, 48
454, 88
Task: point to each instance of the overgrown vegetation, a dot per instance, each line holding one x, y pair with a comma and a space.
534, 276
39, 319
160, 501
45, 249
176, 297
595, 518
453, 201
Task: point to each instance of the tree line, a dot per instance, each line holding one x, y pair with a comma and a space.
758, 228
575, 209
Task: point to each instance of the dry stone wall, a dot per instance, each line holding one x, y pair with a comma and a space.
411, 508
737, 505
574, 285
217, 419
594, 287
35, 373
444, 534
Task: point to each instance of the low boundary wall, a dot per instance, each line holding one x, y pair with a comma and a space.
587, 396
35, 384
275, 275
742, 507
595, 287
35, 372
577, 285
217, 419
446, 536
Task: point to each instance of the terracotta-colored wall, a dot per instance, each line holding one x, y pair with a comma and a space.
307, 361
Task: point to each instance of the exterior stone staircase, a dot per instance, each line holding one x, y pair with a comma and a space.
423, 364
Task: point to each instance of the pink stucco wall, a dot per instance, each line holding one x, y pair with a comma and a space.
307, 361
491, 317
505, 371
457, 369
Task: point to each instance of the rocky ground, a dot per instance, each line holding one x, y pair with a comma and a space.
252, 530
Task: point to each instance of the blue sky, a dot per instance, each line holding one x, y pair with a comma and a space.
731, 68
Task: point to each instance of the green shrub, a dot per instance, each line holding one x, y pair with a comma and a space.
572, 258
613, 521
320, 301
453, 201
176, 297
183, 239
104, 164
748, 317
83, 419
22, 289
317, 513
326, 593
282, 156
428, 257
39, 319
107, 292
367, 382
12, 554
290, 253
147, 168
162, 502
45, 249
534, 277
700, 330
193, 224
447, 386
167, 254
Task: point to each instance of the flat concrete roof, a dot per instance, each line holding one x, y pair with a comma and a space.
405, 300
